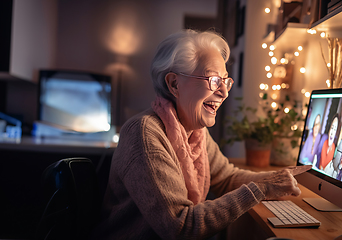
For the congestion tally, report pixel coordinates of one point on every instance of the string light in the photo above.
(267, 68)
(296, 54)
(267, 10)
(307, 94)
(271, 54)
(274, 60)
(282, 60)
(272, 47)
(322, 34)
(311, 31)
(302, 70)
(300, 48)
(286, 110)
(269, 75)
(328, 65)
(328, 83)
(262, 86)
(274, 105)
(264, 45)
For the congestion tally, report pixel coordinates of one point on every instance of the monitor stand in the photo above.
(322, 204)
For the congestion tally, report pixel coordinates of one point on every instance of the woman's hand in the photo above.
(282, 182)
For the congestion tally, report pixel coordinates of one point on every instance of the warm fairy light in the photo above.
(311, 31)
(302, 70)
(328, 65)
(296, 54)
(287, 86)
(271, 54)
(302, 91)
(322, 34)
(283, 85)
(267, 10)
(261, 95)
(286, 110)
(282, 60)
(328, 83)
(264, 45)
(274, 87)
(269, 75)
(307, 94)
(294, 127)
(274, 105)
(274, 96)
(266, 87)
(274, 60)
(267, 68)
(278, 87)
(300, 48)
(272, 47)
(262, 86)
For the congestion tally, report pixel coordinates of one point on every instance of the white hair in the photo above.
(180, 52)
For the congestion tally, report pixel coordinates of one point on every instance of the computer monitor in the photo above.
(75, 100)
(321, 146)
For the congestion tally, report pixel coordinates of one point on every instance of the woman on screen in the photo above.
(311, 143)
(328, 149)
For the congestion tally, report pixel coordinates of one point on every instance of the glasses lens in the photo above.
(215, 83)
(229, 83)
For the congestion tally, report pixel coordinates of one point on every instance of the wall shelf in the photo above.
(293, 35)
(331, 23)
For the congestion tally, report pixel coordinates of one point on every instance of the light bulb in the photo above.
(296, 54)
(273, 105)
(274, 60)
(307, 94)
(262, 86)
(322, 34)
(302, 70)
(300, 48)
(267, 68)
(282, 60)
(269, 75)
(270, 54)
(286, 110)
(264, 45)
(267, 10)
(328, 65)
(272, 47)
(302, 91)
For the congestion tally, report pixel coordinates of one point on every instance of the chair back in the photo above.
(72, 200)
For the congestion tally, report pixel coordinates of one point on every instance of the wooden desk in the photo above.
(256, 219)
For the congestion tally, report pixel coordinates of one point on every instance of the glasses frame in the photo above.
(227, 81)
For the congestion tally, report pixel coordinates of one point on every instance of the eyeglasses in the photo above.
(214, 81)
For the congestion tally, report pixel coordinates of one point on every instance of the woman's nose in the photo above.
(222, 91)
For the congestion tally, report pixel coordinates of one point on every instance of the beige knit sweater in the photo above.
(146, 196)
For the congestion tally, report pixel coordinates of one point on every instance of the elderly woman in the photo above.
(166, 160)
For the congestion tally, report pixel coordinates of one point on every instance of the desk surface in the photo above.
(59, 144)
(331, 222)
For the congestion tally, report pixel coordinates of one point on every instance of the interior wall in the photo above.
(119, 38)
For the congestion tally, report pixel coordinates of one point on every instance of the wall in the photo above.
(119, 38)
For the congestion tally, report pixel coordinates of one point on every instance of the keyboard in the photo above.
(288, 214)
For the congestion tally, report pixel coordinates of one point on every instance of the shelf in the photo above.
(331, 23)
(291, 37)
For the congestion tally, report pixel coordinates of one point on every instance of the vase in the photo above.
(257, 154)
(282, 152)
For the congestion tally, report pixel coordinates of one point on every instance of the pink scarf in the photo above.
(191, 153)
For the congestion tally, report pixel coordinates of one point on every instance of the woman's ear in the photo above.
(171, 81)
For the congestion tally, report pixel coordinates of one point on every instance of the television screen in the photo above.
(74, 100)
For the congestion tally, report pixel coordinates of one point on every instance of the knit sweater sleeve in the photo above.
(153, 177)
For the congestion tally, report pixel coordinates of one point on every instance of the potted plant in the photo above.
(255, 131)
(286, 124)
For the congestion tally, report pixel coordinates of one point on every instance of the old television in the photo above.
(75, 101)
(325, 152)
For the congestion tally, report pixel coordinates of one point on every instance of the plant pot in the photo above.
(282, 153)
(257, 154)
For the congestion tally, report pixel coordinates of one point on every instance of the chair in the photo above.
(73, 201)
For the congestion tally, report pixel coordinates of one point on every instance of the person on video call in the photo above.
(328, 148)
(311, 143)
(166, 160)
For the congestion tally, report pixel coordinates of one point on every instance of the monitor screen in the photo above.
(321, 145)
(74, 100)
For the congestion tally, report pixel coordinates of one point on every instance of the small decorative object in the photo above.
(335, 61)
(256, 131)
